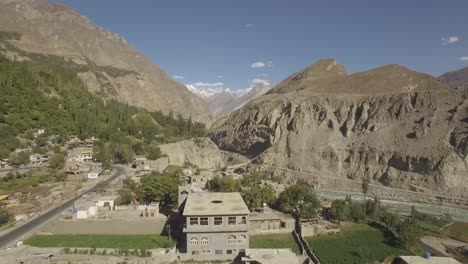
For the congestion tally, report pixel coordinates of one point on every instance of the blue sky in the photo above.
(233, 44)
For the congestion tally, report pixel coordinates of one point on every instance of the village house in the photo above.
(39, 132)
(215, 224)
(80, 155)
(4, 164)
(269, 221)
(89, 142)
(38, 159)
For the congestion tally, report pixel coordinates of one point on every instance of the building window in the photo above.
(193, 220)
(203, 220)
(232, 220)
(218, 252)
(242, 239)
(195, 252)
(231, 239)
(229, 252)
(243, 221)
(204, 241)
(218, 220)
(194, 241)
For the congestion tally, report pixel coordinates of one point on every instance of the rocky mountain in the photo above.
(456, 79)
(108, 65)
(401, 128)
(222, 103)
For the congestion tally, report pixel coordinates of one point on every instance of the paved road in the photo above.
(20, 231)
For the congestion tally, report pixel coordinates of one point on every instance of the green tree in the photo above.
(160, 188)
(357, 212)
(101, 186)
(340, 210)
(255, 196)
(4, 153)
(123, 154)
(299, 200)
(21, 158)
(57, 161)
(365, 190)
(5, 216)
(223, 184)
(153, 153)
(408, 233)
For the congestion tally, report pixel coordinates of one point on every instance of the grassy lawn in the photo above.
(274, 241)
(99, 241)
(457, 230)
(355, 244)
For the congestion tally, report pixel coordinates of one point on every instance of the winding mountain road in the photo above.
(18, 232)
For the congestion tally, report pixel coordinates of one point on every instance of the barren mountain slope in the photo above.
(50, 28)
(401, 128)
(456, 79)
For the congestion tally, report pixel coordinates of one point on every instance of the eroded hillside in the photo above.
(401, 128)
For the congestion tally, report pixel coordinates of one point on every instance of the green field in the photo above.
(355, 244)
(99, 241)
(274, 241)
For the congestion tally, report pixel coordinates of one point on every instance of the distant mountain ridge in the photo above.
(456, 79)
(50, 28)
(222, 102)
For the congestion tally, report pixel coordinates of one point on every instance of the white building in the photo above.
(106, 202)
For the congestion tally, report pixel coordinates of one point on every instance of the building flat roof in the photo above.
(269, 214)
(271, 256)
(215, 204)
(431, 260)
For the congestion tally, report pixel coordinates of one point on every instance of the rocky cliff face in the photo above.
(401, 128)
(50, 28)
(201, 152)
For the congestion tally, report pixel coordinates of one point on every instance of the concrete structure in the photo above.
(94, 174)
(216, 224)
(270, 256)
(106, 201)
(421, 260)
(269, 221)
(150, 210)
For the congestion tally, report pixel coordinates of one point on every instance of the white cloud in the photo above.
(178, 77)
(463, 58)
(257, 65)
(263, 75)
(263, 82)
(248, 25)
(450, 40)
(261, 64)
